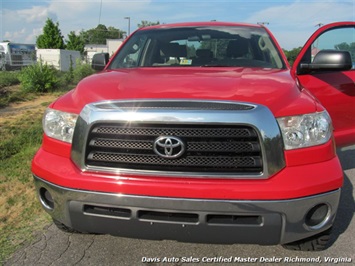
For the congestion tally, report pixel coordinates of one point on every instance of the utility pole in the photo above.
(100, 13)
(129, 25)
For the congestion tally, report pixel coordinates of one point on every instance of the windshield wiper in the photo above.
(215, 65)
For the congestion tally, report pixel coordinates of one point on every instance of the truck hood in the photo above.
(275, 89)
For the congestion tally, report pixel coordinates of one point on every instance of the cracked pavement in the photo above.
(54, 247)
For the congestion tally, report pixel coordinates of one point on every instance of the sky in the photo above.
(290, 21)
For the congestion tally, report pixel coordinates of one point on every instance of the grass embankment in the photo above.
(20, 137)
(20, 212)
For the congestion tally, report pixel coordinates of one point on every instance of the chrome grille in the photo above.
(175, 105)
(16, 59)
(230, 149)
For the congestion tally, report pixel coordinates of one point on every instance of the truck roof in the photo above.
(200, 24)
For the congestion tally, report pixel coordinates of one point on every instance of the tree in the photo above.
(219, 46)
(346, 47)
(75, 42)
(145, 23)
(51, 38)
(99, 34)
(292, 54)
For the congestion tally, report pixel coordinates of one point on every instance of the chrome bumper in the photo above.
(189, 220)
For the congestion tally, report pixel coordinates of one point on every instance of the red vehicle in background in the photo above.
(202, 132)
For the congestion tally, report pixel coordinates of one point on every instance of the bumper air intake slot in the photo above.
(107, 211)
(234, 219)
(168, 216)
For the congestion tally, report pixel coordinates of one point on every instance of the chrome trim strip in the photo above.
(259, 117)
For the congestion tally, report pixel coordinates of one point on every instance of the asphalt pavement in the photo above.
(54, 247)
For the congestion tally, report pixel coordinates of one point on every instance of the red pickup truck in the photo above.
(202, 132)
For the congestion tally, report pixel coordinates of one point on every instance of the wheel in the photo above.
(314, 243)
(65, 228)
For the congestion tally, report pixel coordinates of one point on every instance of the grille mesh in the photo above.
(181, 132)
(209, 149)
(204, 161)
(119, 143)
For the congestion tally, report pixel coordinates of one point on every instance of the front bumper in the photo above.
(265, 222)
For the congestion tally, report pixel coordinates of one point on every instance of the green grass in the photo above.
(19, 136)
(20, 212)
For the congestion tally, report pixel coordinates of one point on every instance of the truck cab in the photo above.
(16, 55)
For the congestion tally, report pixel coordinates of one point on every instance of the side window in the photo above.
(131, 56)
(342, 39)
(131, 60)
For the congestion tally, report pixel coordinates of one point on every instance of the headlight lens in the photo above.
(59, 125)
(305, 130)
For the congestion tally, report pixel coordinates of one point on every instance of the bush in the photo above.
(65, 80)
(39, 78)
(74, 75)
(8, 78)
(81, 71)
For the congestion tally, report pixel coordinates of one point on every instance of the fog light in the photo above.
(317, 216)
(46, 198)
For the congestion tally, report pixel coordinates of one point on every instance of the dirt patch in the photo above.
(28, 108)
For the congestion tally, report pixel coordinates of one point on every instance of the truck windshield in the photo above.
(199, 47)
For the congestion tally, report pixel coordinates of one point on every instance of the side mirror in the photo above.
(99, 61)
(328, 60)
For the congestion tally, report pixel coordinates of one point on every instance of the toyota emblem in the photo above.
(169, 147)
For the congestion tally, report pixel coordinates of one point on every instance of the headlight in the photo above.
(305, 130)
(59, 125)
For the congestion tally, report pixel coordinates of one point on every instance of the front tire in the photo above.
(64, 228)
(317, 242)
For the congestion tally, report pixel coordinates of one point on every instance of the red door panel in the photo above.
(334, 89)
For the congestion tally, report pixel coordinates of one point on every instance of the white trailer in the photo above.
(58, 58)
(113, 45)
(16, 55)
